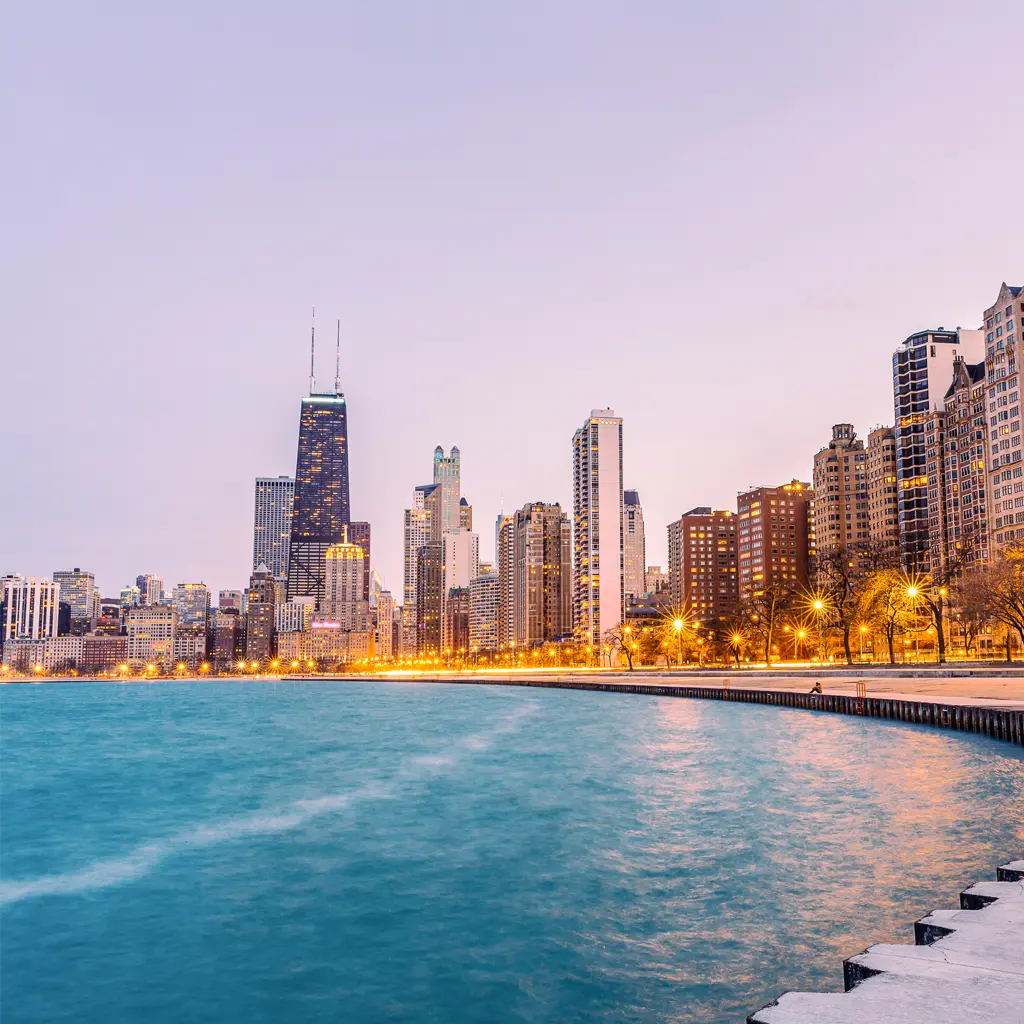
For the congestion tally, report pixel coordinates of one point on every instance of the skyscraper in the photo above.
(597, 514)
(416, 534)
(30, 608)
(359, 534)
(321, 510)
(922, 368)
(883, 514)
(272, 524)
(447, 475)
(483, 612)
(634, 547)
(192, 603)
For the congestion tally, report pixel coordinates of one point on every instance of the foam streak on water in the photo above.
(233, 853)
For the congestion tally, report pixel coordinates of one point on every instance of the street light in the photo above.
(678, 627)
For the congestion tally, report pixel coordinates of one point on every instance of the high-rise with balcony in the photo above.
(922, 368)
(772, 537)
(634, 548)
(1002, 339)
(272, 524)
(597, 522)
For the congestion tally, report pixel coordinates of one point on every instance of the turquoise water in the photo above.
(305, 852)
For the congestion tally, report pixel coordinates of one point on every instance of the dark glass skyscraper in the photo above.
(321, 512)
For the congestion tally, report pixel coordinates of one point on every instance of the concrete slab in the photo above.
(971, 970)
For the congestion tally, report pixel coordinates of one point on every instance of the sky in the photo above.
(718, 219)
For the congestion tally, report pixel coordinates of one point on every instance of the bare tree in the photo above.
(888, 605)
(625, 639)
(973, 599)
(764, 612)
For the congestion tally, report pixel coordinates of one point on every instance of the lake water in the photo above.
(349, 852)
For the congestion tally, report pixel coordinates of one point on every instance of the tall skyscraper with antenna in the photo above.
(322, 512)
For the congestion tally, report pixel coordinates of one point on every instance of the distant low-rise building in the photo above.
(151, 631)
(104, 653)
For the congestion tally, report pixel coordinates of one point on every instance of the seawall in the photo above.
(999, 723)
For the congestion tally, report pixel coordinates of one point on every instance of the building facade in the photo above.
(448, 479)
(704, 564)
(272, 524)
(542, 574)
(772, 538)
(634, 547)
(151, 631)
(260, 615)
(30, 608)
(1001, 327)
(883, 509)
(483, 613)
(841, 513)
(385, 624)
(150, 589)
(192, 602)
(597, 521)
(344, 600)
(456, 613)
(78, 589)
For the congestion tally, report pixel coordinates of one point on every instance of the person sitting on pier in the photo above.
(816, 688)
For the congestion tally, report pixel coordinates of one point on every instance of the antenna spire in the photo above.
(337, 362)
(312, 352)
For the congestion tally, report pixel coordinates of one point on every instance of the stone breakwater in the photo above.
(967, 966)
(997, 722)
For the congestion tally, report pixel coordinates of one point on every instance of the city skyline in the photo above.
(752, 198)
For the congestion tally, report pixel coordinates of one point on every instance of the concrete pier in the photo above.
(1001, 720)
(967, 965)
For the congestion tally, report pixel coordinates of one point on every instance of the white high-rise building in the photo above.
(634, 547)
(31, 608)
(483, 613)
(597, 521)
(151, 588)
(272, 524)
(151, 633)
(460, 554)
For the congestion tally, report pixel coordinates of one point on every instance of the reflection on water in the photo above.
(307, 852)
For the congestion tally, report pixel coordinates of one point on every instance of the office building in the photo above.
(321, 509)
(151, 630)
(272, 524)
(189, 649)
(922, 368)
(131, 597)
(78, 589)
(483, 612)
(465, 515)
(227, 637)
(506, 568)
(151, 588)
(343, 601)
(111, 619)
(104, 653)
(416, 533)
(429, 598)
(259, 615)
(883, 508)
(634, 548)
(771, 538)
(1001, 327)
(30, 609)
(656, 581)
(703, 565)
(542, 574)
(231, 599)
(597, 520)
